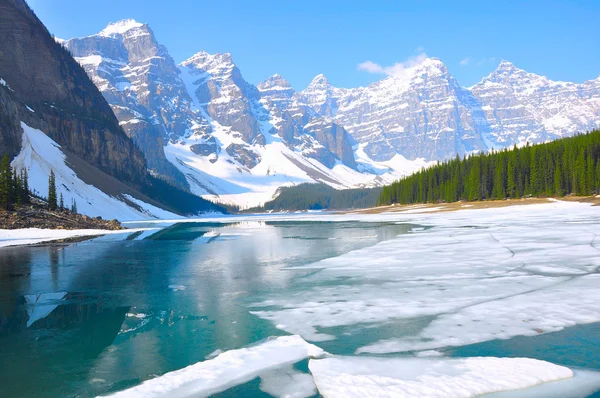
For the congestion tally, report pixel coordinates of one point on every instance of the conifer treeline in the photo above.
(558, 168)
(14, 186)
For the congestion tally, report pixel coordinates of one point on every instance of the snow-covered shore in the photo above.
(30, 236)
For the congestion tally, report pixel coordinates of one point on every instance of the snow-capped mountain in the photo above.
(524, 107)
(425, 113)
(53, 118)
(200, 123)
(141, 82)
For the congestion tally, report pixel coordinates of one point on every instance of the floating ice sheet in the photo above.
(469, 377)
(226, 370)
(286, 382)
(473, 276)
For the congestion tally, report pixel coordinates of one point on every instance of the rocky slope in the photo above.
(201, 124)
(231, 140)
(427, 114)
(43, 90)
(524, 107)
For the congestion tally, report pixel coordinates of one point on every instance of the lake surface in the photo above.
(104, 315)
(115, 313)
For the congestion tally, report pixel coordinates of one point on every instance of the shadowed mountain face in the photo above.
(46, 88)
(43, 87)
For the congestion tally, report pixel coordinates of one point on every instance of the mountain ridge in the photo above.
(227, 138)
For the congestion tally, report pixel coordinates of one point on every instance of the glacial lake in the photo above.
(103, 315)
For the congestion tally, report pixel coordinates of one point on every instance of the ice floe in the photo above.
(448, 378)
(470, 276)
(227, 370)
(286, 382)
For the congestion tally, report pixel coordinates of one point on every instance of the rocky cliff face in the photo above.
(427, 114)
(47, 89)
(71, 127)
(524, 107)
(423, 115)
(140, 81)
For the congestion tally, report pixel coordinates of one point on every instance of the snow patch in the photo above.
(120, 27)
(40, 154)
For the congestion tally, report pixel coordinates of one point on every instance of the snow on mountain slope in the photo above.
(202, 125)
(425, 113)
(40, 154)
(226, 139)
(524, 107)
(421, 114)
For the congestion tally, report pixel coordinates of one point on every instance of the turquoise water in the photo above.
(101, 316)
(127, 311)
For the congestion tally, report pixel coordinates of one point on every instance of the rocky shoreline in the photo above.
(38, 216)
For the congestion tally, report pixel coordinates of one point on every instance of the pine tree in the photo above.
(558, 181)
(16, 187)
(579, 175)
(598, 176)
(511, 187)
(52, 191)
(25, 193)
(73, 206)
(590, 175)
(5, 183)
(61, 202)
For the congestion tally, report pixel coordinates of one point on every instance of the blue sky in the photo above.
(300, 39)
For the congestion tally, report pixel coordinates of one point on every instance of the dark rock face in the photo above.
(243, 155)
(64, 102)
(140, 80)
(301, 128)
(226, 95)
(10, 136)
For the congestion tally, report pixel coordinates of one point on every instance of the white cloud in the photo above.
(371, 67)
(398, 70)
(465, 61)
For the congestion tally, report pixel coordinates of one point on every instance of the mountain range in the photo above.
(154, 135)
(204, 127)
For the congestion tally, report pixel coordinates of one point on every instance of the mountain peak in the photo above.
(319, 79)
(320, 82)
(120, 27)
(506, 64)
(274, 82)
(506, 67)
(204, 57)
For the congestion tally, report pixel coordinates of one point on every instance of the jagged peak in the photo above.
(120, 27)
(432, 65)
(504, 64)
(204, 57)
(274, 81)
(318, 83)
(319, 79)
